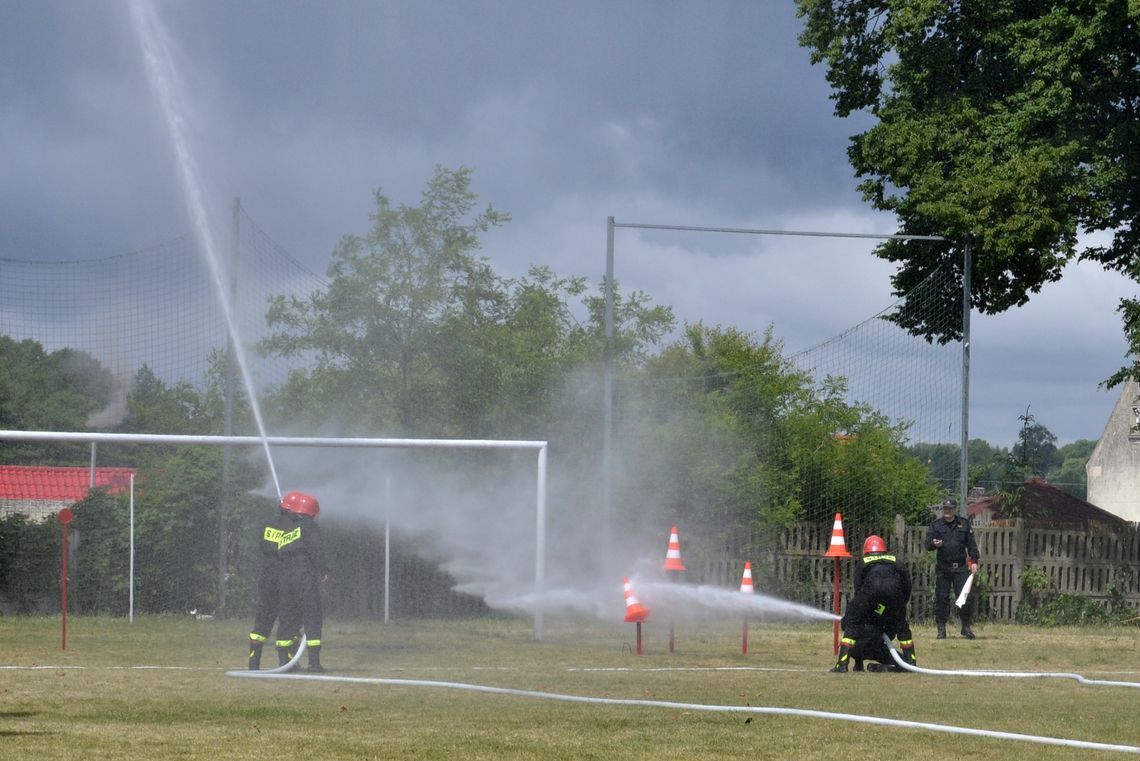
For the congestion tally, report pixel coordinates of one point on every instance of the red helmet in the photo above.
(301, 504)
(874, 543)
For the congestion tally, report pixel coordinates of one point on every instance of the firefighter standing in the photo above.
(878, 607)
(268, 583)
(953, 538)
(303, 568)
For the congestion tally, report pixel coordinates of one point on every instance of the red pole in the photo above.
(64, 519)
(837, 549)
(639, 638)
(837, 572)
(673, 565)
(744, 639)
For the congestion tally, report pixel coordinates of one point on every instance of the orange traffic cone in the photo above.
(673, 555)
(635, 612)
(838, 548)
(746, 580)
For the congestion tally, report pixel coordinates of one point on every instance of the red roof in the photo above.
(1041, 502)
(56, 484)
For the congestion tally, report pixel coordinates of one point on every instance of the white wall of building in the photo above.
(1113, 469)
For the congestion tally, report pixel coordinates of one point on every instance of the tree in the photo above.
(49, 391)
(1036, 450)
(1010, 122)
(153, 406)
(375, 333)
(418, 335)
(731, 434)
(1070, 474)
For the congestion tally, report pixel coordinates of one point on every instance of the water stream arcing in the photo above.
(162, 77)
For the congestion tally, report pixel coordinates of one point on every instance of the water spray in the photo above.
(705, 601)
(162, 78)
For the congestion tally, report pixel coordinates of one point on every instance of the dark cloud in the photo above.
(569, 112)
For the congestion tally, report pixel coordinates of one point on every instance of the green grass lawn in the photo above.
(157, 689)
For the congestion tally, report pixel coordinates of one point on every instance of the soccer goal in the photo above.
(538, 448)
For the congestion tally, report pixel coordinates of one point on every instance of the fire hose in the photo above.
(766, 710)
(1014, 674)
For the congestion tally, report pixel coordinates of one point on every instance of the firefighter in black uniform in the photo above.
(268, 583)
(303, 568)
(878, 607)
(953, 537)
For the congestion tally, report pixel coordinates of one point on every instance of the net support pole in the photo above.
(387, 543)
(131, 572)
(967, 306)
(540, 542)
(608, 387)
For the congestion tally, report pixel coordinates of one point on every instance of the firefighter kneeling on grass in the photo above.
(878, 607)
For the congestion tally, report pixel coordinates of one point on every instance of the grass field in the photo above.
(157, 689)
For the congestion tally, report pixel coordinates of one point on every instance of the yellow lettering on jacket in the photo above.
(289, 538)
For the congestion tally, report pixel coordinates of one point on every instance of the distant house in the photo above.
(41, 491)
(1041, 504)
(1113, 469)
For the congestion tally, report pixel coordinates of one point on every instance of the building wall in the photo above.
(1113, 469)
(35, 509)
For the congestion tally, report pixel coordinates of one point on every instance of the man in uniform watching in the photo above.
(952, 537)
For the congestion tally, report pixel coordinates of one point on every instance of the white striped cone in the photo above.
(673, 554)
(838, 548)
(746, 580)
(635, 612)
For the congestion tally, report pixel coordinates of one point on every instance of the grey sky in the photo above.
(695, 113)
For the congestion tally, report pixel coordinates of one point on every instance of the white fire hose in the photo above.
(281, 673)
(1015, 674)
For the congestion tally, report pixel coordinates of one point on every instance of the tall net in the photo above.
(915, 383)
(156, 307)
(734, 449)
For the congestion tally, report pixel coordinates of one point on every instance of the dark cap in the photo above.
(950, 502)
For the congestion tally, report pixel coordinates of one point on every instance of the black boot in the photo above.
(906, 649)
(286, 649)
(941, 631)
(315, 666)
(255, 653)
(840, 666)
(967, 632)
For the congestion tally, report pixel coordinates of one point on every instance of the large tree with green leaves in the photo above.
(728, 432)
(1014, 123)
(373, 337)
(44, 390)
(418, 335)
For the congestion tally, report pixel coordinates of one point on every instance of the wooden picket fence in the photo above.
(1092, 563)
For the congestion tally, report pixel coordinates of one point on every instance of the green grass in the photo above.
(97, 700)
